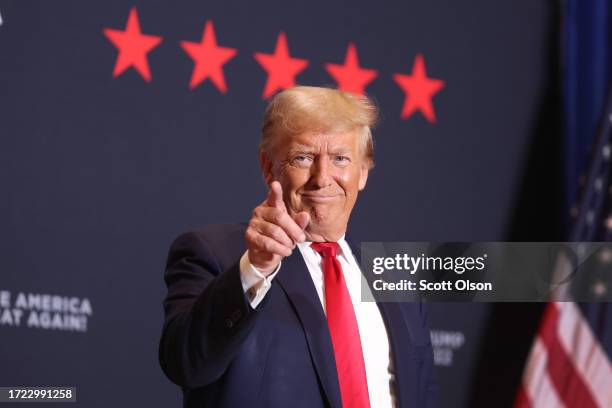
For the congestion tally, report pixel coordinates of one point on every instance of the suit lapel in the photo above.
(399, 341)
(297, 283)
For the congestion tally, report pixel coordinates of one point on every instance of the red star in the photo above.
(133, 46)
(419, 90)
(208, 58)
(281, 68)
(350, 76)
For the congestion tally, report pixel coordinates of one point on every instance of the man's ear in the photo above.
(266, 167)
(363, 175)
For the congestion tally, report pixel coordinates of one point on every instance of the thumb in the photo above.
(302, 219)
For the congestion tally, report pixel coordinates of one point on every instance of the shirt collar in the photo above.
(341, 242)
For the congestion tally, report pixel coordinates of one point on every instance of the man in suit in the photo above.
(268, 314)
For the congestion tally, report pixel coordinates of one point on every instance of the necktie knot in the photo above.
(326, 249)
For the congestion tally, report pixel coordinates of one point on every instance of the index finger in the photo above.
(275, 196)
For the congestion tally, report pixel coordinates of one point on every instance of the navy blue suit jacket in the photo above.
(223, 353)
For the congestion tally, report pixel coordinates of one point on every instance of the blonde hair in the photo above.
(304, 109)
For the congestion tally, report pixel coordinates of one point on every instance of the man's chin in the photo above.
(324, 229)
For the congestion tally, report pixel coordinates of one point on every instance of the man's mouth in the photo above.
(319, 198)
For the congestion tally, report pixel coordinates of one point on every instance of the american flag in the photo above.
(570, 364)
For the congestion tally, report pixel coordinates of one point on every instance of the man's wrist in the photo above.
(253, 277)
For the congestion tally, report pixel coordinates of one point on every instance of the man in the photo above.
(269, 314)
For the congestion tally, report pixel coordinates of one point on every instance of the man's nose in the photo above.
(320, 175)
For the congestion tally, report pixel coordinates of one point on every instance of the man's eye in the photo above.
(301, 160)
(342, 159)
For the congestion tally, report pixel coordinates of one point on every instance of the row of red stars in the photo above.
(209, 58)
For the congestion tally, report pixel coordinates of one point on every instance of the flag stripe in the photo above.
(597, 316)
(587, 356)
(538, 390)
(567, 381)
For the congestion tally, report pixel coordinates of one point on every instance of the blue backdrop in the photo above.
(104, 163)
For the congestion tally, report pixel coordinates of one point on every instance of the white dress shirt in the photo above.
(380, 373)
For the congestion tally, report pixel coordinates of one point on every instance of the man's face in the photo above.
(321, 174)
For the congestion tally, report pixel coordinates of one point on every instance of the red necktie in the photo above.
(343, 329)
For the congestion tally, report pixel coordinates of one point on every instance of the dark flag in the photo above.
(570, 364)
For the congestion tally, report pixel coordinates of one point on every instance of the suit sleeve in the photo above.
(207, 316)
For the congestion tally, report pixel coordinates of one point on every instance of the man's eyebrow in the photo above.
(341, 150)
(309, 150)
(301, 149)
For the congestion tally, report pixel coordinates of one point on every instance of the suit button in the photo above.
(236, 315)
(229, 323)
